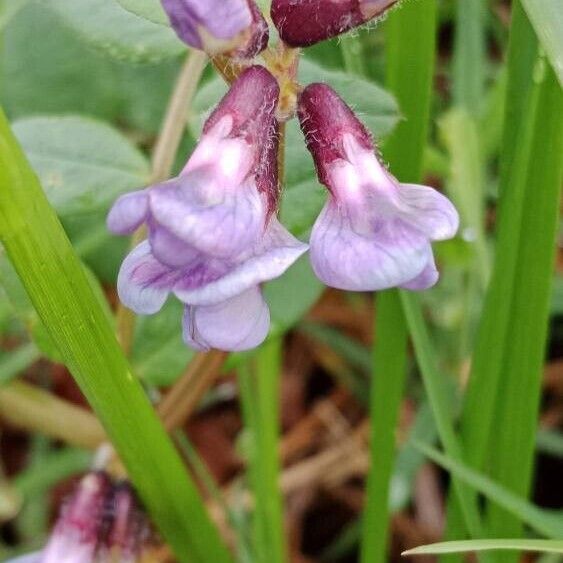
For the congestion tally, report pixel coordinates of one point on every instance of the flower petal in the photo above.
(169, 249)
(428, 210)
(128, 213)
(143, 282)
(240, 323)
(426, 279)
(219, 224)
(390, 253)
(29, 558)
(278, 250)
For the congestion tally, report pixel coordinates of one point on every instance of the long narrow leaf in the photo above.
(56, 283)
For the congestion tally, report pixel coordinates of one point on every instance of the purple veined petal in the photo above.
(426, 279)
(278, 250)
(29, 558)
(143, 282)
(214, 25)
(128, 213)
(352, 255)
(221, 225)
(237, 324)
(428, 210)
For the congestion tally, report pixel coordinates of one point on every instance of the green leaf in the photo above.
(59, 289)
(547, 546)
(83, 164)
(290, 296)
(149, 9)
(547, 18)
(8, 9)
(107, 26)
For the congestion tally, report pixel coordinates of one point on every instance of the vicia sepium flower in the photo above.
(213, 234)
(374, 232)
(101, 522)
(305, 22)
(236, 27)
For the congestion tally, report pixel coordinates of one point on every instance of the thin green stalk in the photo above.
(411, 41)
(387, 386)
(57, 285)
(259, 387)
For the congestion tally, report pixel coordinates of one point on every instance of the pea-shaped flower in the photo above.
(101, 521)
(219, 26)
(213, 234)
(305, 22)
(374, 232)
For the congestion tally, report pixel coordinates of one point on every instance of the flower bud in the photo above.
(219, 26)
(301, 23)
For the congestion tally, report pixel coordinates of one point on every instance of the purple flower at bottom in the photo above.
(374, 232)
(213, 235)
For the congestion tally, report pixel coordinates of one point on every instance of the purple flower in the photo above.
(219, 26)
(374, 232)
(305, 22)
(213, 235)
(101, 521)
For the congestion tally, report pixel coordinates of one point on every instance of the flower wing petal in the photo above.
(239, 323)
(278, 250)
(428, 210)
(128, 213)
(386, 255)
(143, 282)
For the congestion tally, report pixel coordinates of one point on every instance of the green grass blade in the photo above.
(469, 56)
(411, 40)
(544, 522)
(438, 397)
(547, 18)
(17, 361)
(57, 285)
(260, 402)
(482, 391)
(545, 546)
(512, 453)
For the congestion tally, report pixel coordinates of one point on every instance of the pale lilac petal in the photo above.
(219, 224)
(169, 249)
(240, 323)
(277, 251)
(128, 213)
(426, 279)
(143, 282)
(429, 211)
(29, 558)
(377, 256)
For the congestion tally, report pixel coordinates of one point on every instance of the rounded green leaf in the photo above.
(149, 9)
(83, 164)
(107, 26)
